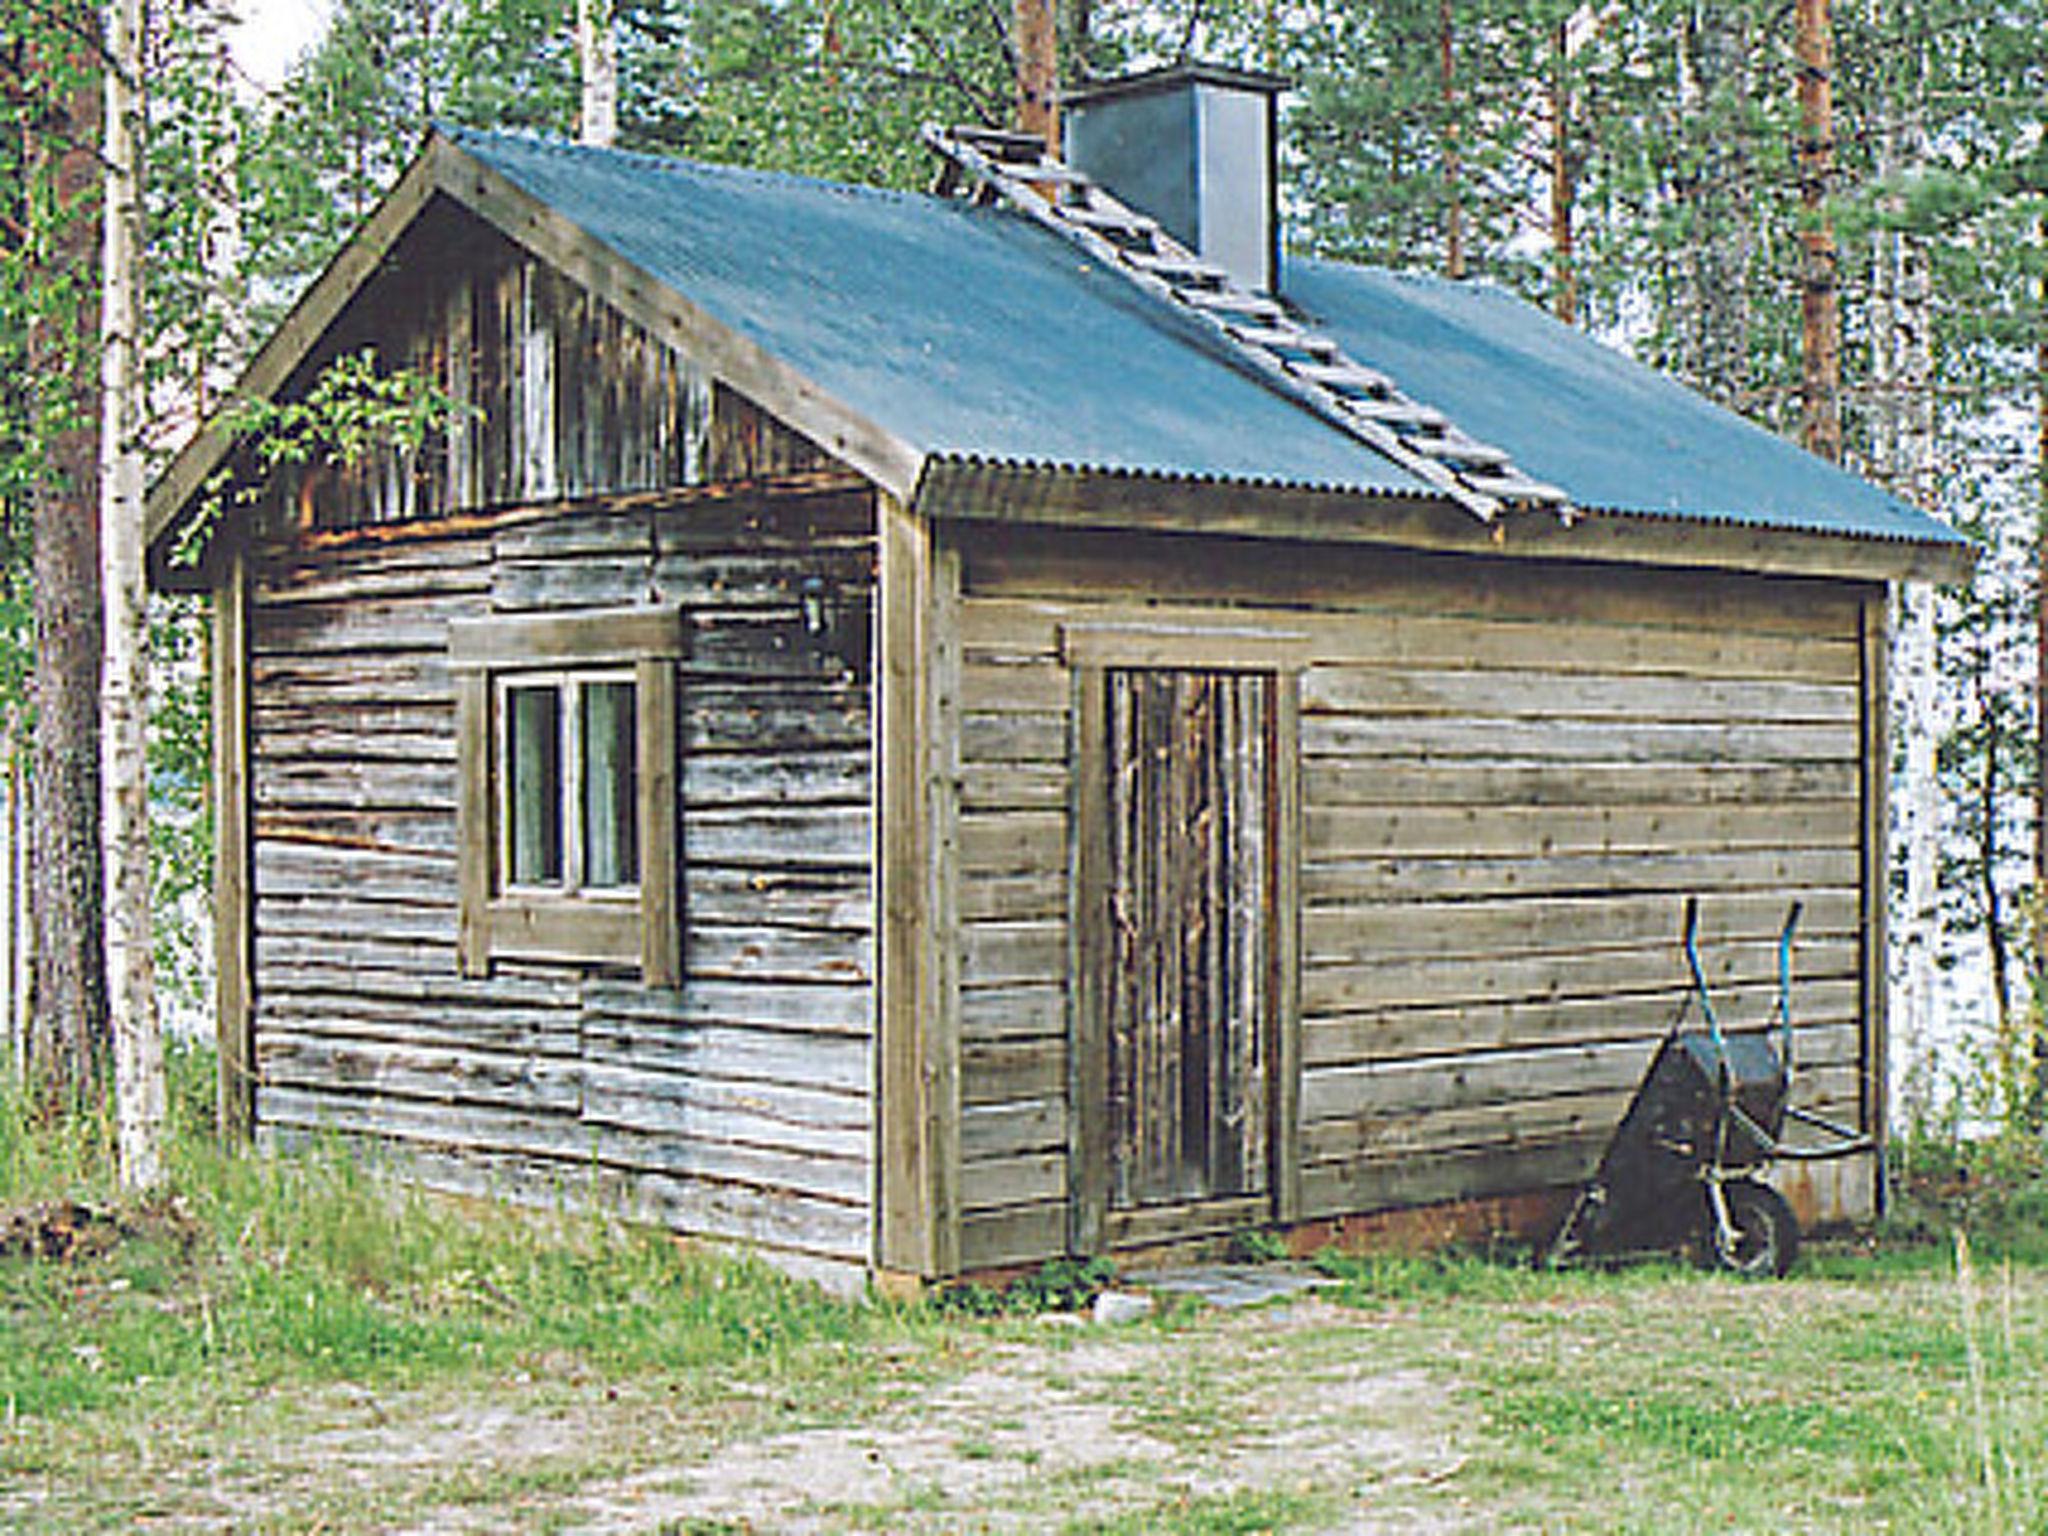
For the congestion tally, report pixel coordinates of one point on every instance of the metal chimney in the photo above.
(1194, 146)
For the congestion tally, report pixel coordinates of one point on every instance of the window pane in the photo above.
(533, 726)
(611, 829)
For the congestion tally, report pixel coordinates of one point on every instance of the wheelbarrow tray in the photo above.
(1649, 1180)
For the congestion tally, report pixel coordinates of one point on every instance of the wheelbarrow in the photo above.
(1687, 1164)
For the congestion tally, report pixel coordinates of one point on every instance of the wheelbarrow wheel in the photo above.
(1764, 1240)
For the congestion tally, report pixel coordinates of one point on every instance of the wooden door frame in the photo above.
(1091, 651)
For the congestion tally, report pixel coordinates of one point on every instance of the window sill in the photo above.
(586, 930)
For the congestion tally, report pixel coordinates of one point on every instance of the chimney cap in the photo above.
(1168, 76)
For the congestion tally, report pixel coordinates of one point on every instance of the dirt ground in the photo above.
(1291, 1416)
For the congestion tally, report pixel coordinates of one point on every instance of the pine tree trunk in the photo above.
(67, 1033)
(1035, 39)
(597, 50)
(1564, 273)
(1820, 312)
(131, 1000)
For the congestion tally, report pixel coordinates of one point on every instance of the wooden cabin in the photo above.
(882, 739)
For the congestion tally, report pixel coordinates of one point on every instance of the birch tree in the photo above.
(138, 1046)
(598, 54)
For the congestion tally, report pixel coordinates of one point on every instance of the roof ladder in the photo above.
(1299, 362)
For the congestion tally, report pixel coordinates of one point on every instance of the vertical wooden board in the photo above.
(661, 949)
(942, 1043)
(905, 1236)
(1285, 852)
(233, 885)
(1876, 1064)
(1090, 940)
(473, 822)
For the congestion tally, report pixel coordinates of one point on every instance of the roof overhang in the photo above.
(969, 490)
(443, 168)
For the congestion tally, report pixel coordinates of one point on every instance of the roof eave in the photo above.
(977, 490)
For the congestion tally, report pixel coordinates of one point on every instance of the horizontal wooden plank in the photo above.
(1343, 1188)
(1369, 1138)
(1629, 741)
(1017, 1012)
(538, 588)
(1475, 1025)
(779, 954)
(289, 868)
(770, 1169)
(703, 1108)
(1015, 842)
(1039, 737)
(988, 787)
(999, 629)
(1014, 897)
(1419, 780)
(1006, 1071)
(1223, 642)
(384, 1069)
(356, 625)
(318, 917)
(734, 1053)
(1149, 574)
(352, 783)
(488, 1024)
(827, 900)
(797, 837)
(1021, 1179)
(777, 779)
(1543, 831)
(618, 634)
(782, 717)
(1149, 1225)
(1407, 877)
(1003, 1130)
(1000, 954)
(1360, 932)
(1460, 1082)
(1024, 1234)
(802, 1008)
(1599, 973)
(1520, 693)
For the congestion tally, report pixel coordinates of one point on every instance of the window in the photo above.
(567, 819)
(568, 799)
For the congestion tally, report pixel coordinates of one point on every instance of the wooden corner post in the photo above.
(1876, 957)
(917, 1074)
(234, 993)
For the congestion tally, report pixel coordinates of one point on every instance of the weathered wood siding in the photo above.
(565, 397)
(1512, 773)
(737, 1105)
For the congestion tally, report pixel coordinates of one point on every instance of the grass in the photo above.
(295, 1343)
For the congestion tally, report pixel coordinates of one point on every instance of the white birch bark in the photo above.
(1903, 364)
(597, 50)
(138, 1044)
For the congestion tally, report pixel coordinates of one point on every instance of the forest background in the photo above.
(1652, 172)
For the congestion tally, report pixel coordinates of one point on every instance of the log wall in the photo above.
(735, 1106)
(1512, 774)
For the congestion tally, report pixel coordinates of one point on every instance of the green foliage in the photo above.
(353, 409)
(314, 1267)
(1058, 1285)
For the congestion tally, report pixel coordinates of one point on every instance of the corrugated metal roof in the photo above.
(1616, 435)
(968, 333)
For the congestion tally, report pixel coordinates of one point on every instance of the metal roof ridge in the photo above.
(678, 165)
